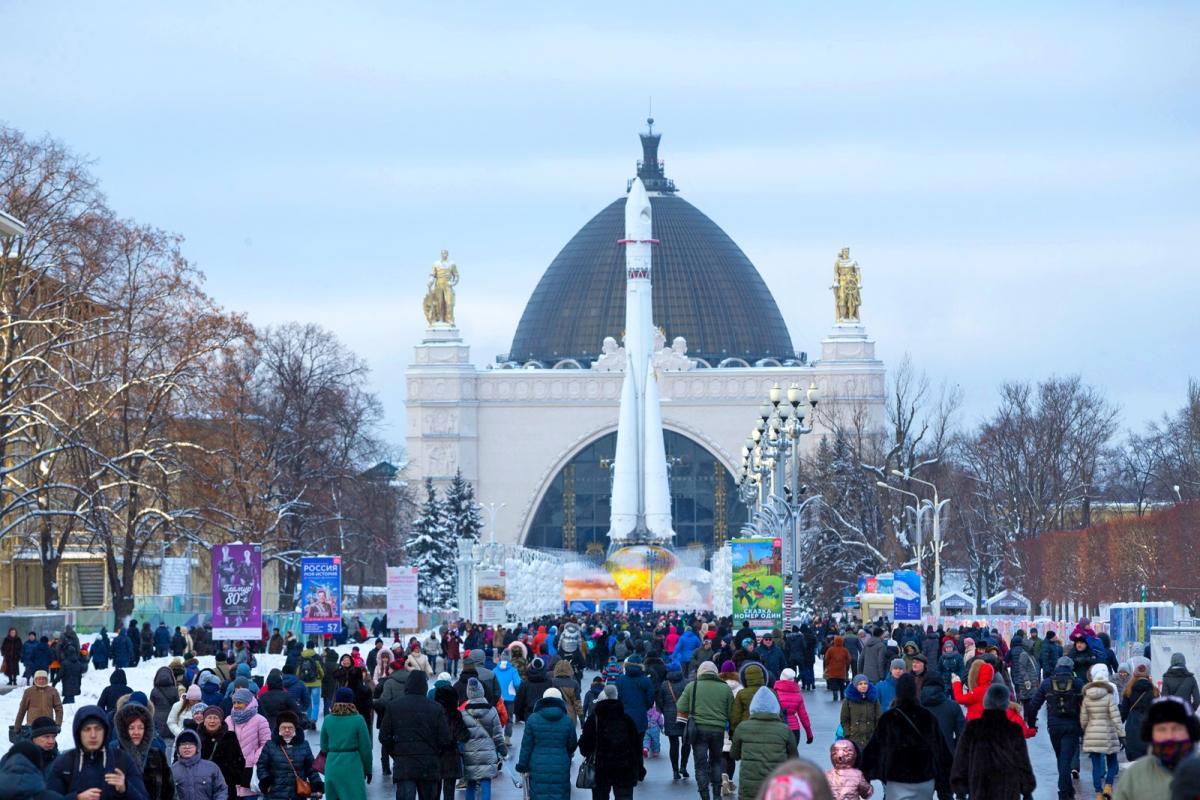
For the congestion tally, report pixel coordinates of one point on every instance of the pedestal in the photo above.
(847, 341)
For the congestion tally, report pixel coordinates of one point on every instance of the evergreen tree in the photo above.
(432, 550)
(462, 512)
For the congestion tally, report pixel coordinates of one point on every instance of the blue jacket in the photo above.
(42, 656)
(21, 779)
(122, 650)
(100, 652)
(76, 771)
(296, 688)
(509, 680)
(887, 692)
(27, 649)
(162, 638)
(1051, 652)
(547, 746)
(636, 693)
(684, 647)
(773, 659)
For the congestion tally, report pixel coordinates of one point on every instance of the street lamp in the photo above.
(935, 507)
(917, 508)
(493, 509)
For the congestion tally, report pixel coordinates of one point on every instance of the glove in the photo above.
(1121, 739)
(809, 739)
(368, 779)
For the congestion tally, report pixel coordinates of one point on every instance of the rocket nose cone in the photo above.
(638, 224)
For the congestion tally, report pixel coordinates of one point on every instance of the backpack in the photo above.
(308, 670)
(621, 651)
(1064, 700)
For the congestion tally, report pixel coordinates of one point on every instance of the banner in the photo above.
(174, 576)
(906, 596)
(757, 583)
(402, 598)
(237, 592)
(493, 607)
(321, 594)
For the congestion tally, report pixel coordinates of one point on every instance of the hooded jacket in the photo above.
(22, 779)
(509, 679)
(636, 693)
(547, 746)
(979, 679)
(415, 731)
(150, 754)
(77, 770)
(116, 689)
(752, 676)
(1136, 700)
(907, 746)
(761, 743)
(275, 700)
(530, 691)
(837, 660)
(1100, 719)
(194, 777)
(791, 701)
(948, 714)
(164, 695)
(859, 715)
(485, 745)
(1177, 681)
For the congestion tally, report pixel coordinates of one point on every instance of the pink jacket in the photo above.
(671, 640)
(252, 736)
(848, 784)
(792, 703)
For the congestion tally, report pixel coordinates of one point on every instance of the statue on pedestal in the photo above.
(439, 299)
(846, 287)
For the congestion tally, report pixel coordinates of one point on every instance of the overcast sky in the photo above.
(1018, 182)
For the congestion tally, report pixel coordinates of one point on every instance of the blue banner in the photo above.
(321, 594)
(906, 596)
(580, 606)
(639, 606)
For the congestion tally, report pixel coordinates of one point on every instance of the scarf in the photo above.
(1171, 752)
(344, 709)
(245, 715)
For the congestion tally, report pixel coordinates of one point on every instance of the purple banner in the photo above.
(237, 592)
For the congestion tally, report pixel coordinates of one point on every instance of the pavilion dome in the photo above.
(705, 289)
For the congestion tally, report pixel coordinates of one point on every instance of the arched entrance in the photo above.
(575, 509)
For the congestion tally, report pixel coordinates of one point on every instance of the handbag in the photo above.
(586, 777)
(319, 763)
(303, 787)
(689, 725)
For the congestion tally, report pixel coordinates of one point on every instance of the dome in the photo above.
(705, 289)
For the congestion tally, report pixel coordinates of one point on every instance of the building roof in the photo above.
(705, 289)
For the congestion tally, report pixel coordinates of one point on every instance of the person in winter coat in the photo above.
(610, 738)
(761, 743)
(43, 732)
(907, 751)
(667, 701)
(21, 778)
(101, 650)
(164, 696)
(10, 650)
(1103, 736)
(181, 712)
(1172, 730)
(123, 649)
(275, 700)
(415, 731)
(134, 724)
(509, 678)
(948, 713)
(837, 667)
(752, 676)
(116, 689)
(564, 681)
(194, 777)
(70, 673)
(220, 745)
(1136, 699)
(162, 640)
(210, 688)
(1082, 656)
(792, 703)
(285, 759)
(1051, 652)
(547, 747)
(708, 703)
(485, 746)
(846, 782)
(860, 712)
(1062, 693)
(771, 656)
(95, 764)
(39, 700)
(1177, 681)
(992, 760)
(533, 686)
(636, 693)
(346, 742)
(450, 762)
(979, 678)
(950, 662)
(873, 661)
(252, 731)
(887, 686)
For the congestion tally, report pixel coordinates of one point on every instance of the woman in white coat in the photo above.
(1103, 736)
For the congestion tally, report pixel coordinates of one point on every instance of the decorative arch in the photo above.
(570, 509)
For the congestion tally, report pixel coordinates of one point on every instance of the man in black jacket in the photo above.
(415, 732)
(276, 699)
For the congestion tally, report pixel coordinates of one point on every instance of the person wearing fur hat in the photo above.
(860, 711)
(346, 741)
(761, 742)
(1136, 698)
(95, 764)
(220, 745)
(992, 760)
(194, 777)
(1103, 736)
(39, 700)
(907, 751)
(134, 723)
(1172, 731)
(285, 759)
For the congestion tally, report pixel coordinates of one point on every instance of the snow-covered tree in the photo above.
(462, 512)
(432, 550)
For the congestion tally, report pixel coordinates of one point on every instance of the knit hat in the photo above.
(138, 698)
(860, 678)
(897, 663)
(1098, 672)
(788, 674)
(1178, 660)
(193, 693)
(996, 698)
(610, 691)
(1065, 661)
(537, 663)
(968, 642)
(474, 689)
(243, 696)
(197, 710)
(553, 694)
(444, 677)
(932, 679)
(344, 695)
(209, 677)
(214, 711)
(1140, 667)
(764, 702)
(947, 646)
(187, 736)
(707, 668)
(43, 726)
(728, 666)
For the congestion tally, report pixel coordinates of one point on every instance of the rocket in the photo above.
(641, 495)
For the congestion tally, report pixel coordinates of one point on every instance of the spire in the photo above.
(650, 169)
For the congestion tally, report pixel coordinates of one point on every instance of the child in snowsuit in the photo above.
(846, 782)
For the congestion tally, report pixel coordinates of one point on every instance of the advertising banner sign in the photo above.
(906, 596)
(757, 583)
(402, 598)
(321, 594)
(639, 606)
(492, 593)
(174, 576)
(237, 592)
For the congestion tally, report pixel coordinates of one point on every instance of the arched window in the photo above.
(574, 513)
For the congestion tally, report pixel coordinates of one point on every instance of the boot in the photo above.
(728, 787)
(1108, 791)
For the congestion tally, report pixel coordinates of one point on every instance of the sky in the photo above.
(1019, 182)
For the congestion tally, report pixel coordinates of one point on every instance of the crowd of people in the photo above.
(925, 712)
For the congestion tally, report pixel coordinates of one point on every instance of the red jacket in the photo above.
(973, 699)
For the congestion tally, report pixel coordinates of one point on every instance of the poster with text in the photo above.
(237, 592)
(906, 596)
(321, 594)
(402, 598)
(757, 583)
(492, 608)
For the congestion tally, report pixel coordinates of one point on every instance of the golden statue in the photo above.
(846, 287)
(439, 299)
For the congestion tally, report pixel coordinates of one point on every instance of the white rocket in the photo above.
(641, 496)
